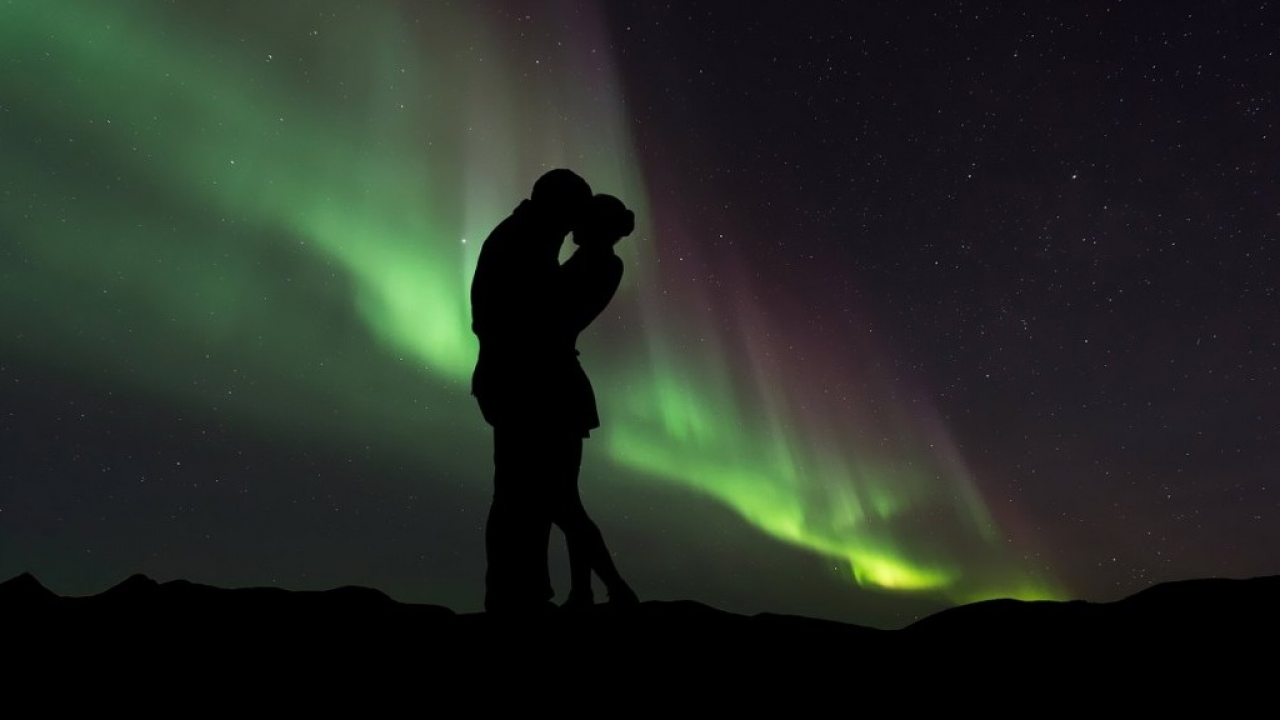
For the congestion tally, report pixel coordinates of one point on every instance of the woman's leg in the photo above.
(562, 489)
(587, 549)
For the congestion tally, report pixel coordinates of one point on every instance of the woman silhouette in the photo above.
(587, 282)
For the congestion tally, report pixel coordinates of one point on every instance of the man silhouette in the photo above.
(514, 313)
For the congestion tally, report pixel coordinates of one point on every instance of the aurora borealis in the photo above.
(917, 305)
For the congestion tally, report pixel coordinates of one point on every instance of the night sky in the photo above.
(928, 302)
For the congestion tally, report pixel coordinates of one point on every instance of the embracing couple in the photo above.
(527, 311)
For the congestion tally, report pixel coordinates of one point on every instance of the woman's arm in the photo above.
(588, 282)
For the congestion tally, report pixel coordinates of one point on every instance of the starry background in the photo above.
(927, 302)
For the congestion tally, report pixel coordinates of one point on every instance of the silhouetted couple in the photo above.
(527, 310)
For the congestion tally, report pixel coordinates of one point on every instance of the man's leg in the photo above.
(519, 524)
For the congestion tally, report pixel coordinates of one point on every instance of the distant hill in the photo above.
(185, 627)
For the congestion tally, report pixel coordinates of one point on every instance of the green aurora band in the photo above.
(278, 220)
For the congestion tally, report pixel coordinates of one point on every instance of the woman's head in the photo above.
(606, 222)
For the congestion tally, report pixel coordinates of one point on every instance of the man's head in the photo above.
(562, 197)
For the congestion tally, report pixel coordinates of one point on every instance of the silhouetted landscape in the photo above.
(362, 630)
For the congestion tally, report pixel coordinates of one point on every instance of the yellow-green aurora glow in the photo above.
(233, 213)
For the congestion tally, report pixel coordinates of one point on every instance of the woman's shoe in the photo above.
(623, 597)
(578, 602)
